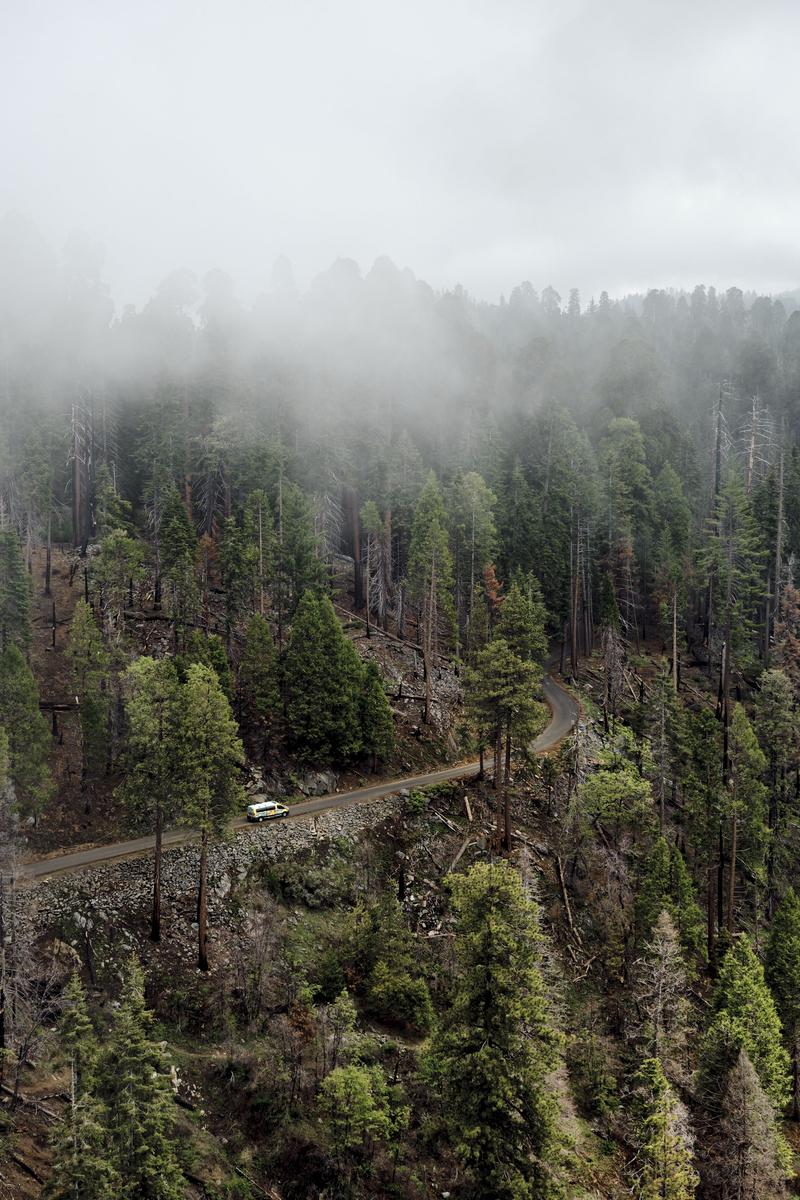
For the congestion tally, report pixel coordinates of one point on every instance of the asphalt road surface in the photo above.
(564, 710)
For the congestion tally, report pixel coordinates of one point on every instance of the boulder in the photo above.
(318, 783)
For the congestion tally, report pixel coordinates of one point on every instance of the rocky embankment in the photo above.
(114, 898)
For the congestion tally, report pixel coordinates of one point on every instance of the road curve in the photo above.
(564, 713)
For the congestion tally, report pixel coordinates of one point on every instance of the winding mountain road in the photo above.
(564, 713)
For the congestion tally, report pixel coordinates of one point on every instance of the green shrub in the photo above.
(393, 994)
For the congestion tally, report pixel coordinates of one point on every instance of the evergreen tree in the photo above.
(110, 510)
(744, 1018)
(491, 1056)
(237, 572)
(259, 678)
(154, 786)
(82, 1168)
(375, 583)
(608, 615)
(259, 531)
(138, 1096)
(667, 742)
(667, 886)
(27, 732)
(178, 554)
(783, 975)
(522, 620)
(116, 571)
(777, 729)
(297, 566)
(377, 723)
(751, 1158)
(664, 1169)
(208, 649)
(501, 696)
(89, 667)
(430, 577)
(732, 559)
(518, 520)
(473, 537)
(78, 1039)
(323, 685)
(745, 805)
(15, 594)
(213, 786)
(661, 996)
(353, 1103)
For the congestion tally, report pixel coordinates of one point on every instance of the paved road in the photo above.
(564, 711)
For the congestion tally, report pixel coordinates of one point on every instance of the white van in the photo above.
(266, 810)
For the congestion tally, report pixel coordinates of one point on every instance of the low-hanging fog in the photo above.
(618, 147)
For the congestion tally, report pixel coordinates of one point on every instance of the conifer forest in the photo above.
(399, 677)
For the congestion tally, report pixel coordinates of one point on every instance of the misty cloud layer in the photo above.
(619, 146)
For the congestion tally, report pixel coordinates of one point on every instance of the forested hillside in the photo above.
(258, 553)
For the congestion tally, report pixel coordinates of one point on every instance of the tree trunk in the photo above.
(498, 785)
(710, 925)
(732, 874)
(155, 922)
(368, 583)
(507, 797)
(720, 879)
(202, 905)
(675, 638)
(260, 560)
(48, 562)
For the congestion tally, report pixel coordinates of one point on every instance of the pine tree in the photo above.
(154, 786)
(259, 531)
(27, 732)
(5, 766)
(259, 678)
(15, 594)
(353, 1103)
(744, 1018)
(237, 573)
(663, 1165)
(777, 729)
(473, 537)
(732, 559)
(491, 1056)
(783, 975)
(323, 685)
(78, 1039)
(82, 1168)
(178, 554)
(138, 1096)
(661, 996)
(501, 696)
(116, 571)
(522, 620)
(751, 1158)
(667, 886)
(375, 583)
(430, 577)
(667, 742)
(297, 566)
(377, 723)
(213, 786)
(208, 649)
(745, 805)
(89, 667)
(518, 520)
(110, 510)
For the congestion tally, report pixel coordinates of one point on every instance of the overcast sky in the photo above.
(620, 145)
